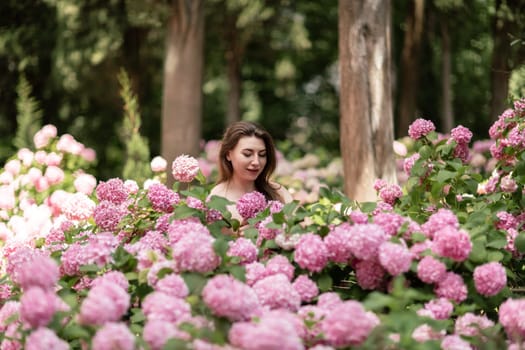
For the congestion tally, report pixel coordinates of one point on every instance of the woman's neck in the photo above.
(236, 188)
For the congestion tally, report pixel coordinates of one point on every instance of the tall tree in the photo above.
(447, 109)
(410, 65)
(366, 124)
(182, 91)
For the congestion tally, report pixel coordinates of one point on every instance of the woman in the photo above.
(246, 162)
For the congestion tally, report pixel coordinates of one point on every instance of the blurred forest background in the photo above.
(272, 61)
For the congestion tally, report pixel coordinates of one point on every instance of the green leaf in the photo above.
(89, 268)
(444, 175)
(194, 281)
(377, 301)
(478, 253)
(220, 246)
(368, 207)
(324, 282)
(74, 331)
(519, 242)
(495, 255)
(138, 316)
(183, 212)
(498, 243)
(425, 152)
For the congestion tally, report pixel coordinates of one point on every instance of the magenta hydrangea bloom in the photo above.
(195, 253)
(452, 243)
(306, 288)
(511, 316)
(162, 198)
(440, 308)
(266, 232)
(45, 338)
(108, 215)
(443, 217)
(461, 134)
(369, 274)
(365, 239)
(311, 253)
(395, 258)
(185, 168)
(161, 306)
(337, 244)
(409, 162)
(106, 302)
(419, 128)
(37, 306)
(490, 278)
(452, 287)
(112, 190)
(250, 204)
(349, 315)
(390, 193)
(230, 298)
(113, 336)
(276, 292)
(244, 249)
(430, 270)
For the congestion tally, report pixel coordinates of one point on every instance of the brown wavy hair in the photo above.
(230, 139)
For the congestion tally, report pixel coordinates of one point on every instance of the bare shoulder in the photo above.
(283, 192)
(219, 190)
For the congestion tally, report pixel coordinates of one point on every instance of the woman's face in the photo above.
(248, 158)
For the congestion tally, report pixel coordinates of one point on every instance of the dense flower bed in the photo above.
(114, 264)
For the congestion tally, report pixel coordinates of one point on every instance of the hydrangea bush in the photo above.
(435, 264)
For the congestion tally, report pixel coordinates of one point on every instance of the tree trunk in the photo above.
(447, 110)
(183, 73)
(501, 56)
(366, 124)
(410, 66)
(233, 61)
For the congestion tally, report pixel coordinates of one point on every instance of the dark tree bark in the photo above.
(447, 110)
(234, 54)
(183, 74)
(366, 124)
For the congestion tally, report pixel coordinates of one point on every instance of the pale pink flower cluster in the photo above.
(455, 342)
(45, 338)
(506, 221)
(251, 204)
(349, 315)
(85, 183)
(512, 318)
(39, 270)
(394, 258)
(162, 198)
(279, 264)
(194, 252)
(508, 184)
(157, 332)
(462, 136)
(311, 253)
(230, 298)
(165, 307)
(276, 292)
(37, 306)
(105, 302)
(112, 190)
(452, 243)
(172, 284)
(306, 288)
(78, 207)
(369, 274)
(471, 325)
(43, 136)
(365, 239)
(113, 336)
(244, 249)
(490, 278)
(430, 270)
(337, 244)
(451, 287)
(115, 277)
(390, 193)
(389, 222)
(419, 128)
(108, 215)
(409, 162)
(158, 164)
(441, 308)
(185, 168)
(436, 221)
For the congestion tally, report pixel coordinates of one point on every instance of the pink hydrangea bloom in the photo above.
(116, 277)
(244, 249)
(389, 222)
(37, 306)
(158, 164)
(254, 272)
(490, 278)
(358, 217)
(452, 287)
(162, 306)
(461, 134)
(395, 258)
(276, 291)
(311, 253)
(54, 175)
(390, 193)
(85, 183)
(108, 215)
(173, 285)
(506, 221)
(337, 244)
(440, 308)
(452, 243)
(195, 253)
(443, 217)
(181, 228)
(312, 316)
(152, 240)
(369, 274)
(511, 316)
(425, 333)
(306, 288)
(508, 184)
(280, 264)
(409, 162)
(39, 271)
(470, 325)
(250, 204)
(162, 198)
(194, 203)
(455, 342)
(419, 128)
(365, 239)
(185, 168)
(112, 190)
(230, 298)
(273, 331)
(266, 232)
(163, 265)
(349, 315)
(45, 338)
(78, 206)
(430, 270)
(106, 302)
(113, 336)
(157, 332)
(329, 300)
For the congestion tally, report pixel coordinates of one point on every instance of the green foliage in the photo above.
(29, 115)
(137, 152)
